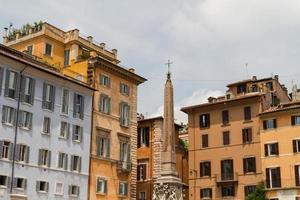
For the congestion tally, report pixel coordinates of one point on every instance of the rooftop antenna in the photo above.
(246, 67)
(10, 27)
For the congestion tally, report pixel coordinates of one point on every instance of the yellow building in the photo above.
(224, 140)
(113, 160)
(280, 148)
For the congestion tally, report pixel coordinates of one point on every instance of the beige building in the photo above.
(224, 139)
(280, 148)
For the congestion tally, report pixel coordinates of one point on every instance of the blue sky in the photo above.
(209, 41)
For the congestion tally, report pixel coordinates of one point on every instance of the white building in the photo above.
(53, 131)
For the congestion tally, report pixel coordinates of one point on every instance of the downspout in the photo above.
(16, 130)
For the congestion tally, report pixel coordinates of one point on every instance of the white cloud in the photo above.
(197, 97)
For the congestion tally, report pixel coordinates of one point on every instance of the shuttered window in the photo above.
(296, 145)
(205, 193)
(143, 137)
(297, 175)
(142, 172)
(6, 150)
(104, 80)
(78, 106)
(44, 157)
(125, 155)
(204, 120)
(248, 189)
(77, 133)
(103, 146)
(1, 79)
(64, 130)
(66, 57)
(20, 183)
(48, 97)
(42, 186)
(247, 113)
(123, 188)
(249, 165)
(101, 185)
(27, 90)
(226, 138)
(4, 181)
(124, 89)
(65, 101)
(295, 120)
(269, 124)
(62, 161)
(11, 84)
(247, 135)
(9, 115)
(75, 163)
(205, 141)
(271, 149)
(104, 104)
(25, 120)
(225, 117)
(273, 177)
(22, 153)
(46, 125)
(124, 114)
(74, 190)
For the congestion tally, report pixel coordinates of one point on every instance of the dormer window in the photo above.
(48, 49)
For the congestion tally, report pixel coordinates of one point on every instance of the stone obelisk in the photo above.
(168, 186)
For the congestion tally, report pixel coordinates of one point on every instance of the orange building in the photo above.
(113, 160)
(224, 140)
(280, 150)
(149, 156)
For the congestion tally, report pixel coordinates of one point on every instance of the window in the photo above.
(65, 101)
(228, 190)
(11, 84)
(143, 137)
(206, 193)
(67, 57)
(101, 185)
(105, 80)
(75, 163)
(254, 88)
(4, 181)
(103, 146)
(226, 138)
(42, 186)
(296, 146)
(295, 120)
(123, 188)
(59, 189)
(273, 178)
(25, 120)
(77, 133)
(269, 85)
(227, 169)
(48, 49)
(48, 97)
(74, 190)
(225, 117)
(124, 114)
(64, 130)
(22, 153)
(46, 125)
(249, 189)
(8, 115)
(62, 161)
(29, 49)
(205, 169)
(204, 121)
(247, 135)
(269, 124)
(271, 149)
(124, 89)
(44, 157)
(142, 196)
(1, 78)
(247, 113)
(142, 172)
(297, 175)
(78, 107)
(104, 104)
(241, 88)
(19, 183)
(249, 165)
(27, 90)
(6, 150)
(125, 155)
(205, 141)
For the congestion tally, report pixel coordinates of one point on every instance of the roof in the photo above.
(250, 80)
(27, 59)
(120, 69)
(282, 107)
(248, 96)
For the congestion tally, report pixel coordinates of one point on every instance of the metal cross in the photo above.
(169, 63)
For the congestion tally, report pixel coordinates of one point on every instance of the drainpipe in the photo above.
(16, 130)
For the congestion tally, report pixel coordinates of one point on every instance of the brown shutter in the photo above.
(144, 171)
(139, 138)
(209, 169)
(254, 160)
(295, 146)
(201, 193)
(147, 136)
(278, 175)
(267, 177)
(297, 175)
(245, 165)
(266, 150)
(208, 120)
(275, 123)
(250, 134)
(200, 121)
(201, 169)
(293, 120)
(138, 172)
(276, 148)
(265, 124)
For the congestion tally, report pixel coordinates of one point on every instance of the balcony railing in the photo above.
(124, 166)
(226, 177)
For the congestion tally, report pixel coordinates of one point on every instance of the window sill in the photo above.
(42, 192)
(77, 141)
(58, 194)
(64, 115)
(104, 113)
(225, 125)
(48, 110)
(73, 195)
(249, 173)
(10, 98)
(46, 134)
(48, 56)
(62, 138)
(27, 104)
(25, 128)
(271, 156)
(7, 124)
(3, 187)
(247, 121)
(204, 128)
(101, 193)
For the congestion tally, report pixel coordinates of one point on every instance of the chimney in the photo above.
(115, 52)
(132, 70)
(254, 78)
(276, 77)
(90, 39)
(102, 45)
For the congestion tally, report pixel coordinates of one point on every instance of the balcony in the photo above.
(227, 178)
(123, 167)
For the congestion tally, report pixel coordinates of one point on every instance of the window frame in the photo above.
(104, 187)
(204, 121)
(47, 44)
(63, 101)
(247, 167)
(204, 141)
(62, 189)
(204, 166)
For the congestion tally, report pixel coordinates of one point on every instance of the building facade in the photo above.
(280, 148)
(53, 124)
(149, 156)
(224, 140)
(114, 127)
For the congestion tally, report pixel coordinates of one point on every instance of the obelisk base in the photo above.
(168, 188)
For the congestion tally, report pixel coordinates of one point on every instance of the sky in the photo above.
(210, 42)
